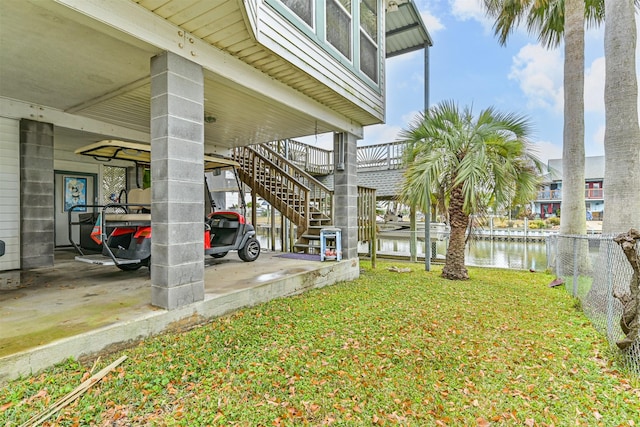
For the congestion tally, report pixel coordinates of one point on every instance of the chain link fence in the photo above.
(593, 268)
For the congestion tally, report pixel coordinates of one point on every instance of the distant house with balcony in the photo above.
(549, 200)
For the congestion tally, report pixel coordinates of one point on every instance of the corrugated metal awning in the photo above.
(405, 31)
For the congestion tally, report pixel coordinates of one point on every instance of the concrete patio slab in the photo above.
(81, 310)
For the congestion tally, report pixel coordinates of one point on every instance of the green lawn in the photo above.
(387, 349)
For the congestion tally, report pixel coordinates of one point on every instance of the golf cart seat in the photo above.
(138, 204)
(224, 227)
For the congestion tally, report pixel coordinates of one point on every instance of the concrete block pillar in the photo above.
(36, 194)
(177, 179)
(346, 192)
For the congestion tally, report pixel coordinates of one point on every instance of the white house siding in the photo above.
(10, 192)
(251, 12)
(281, 37)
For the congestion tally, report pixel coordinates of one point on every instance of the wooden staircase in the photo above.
(288, 188)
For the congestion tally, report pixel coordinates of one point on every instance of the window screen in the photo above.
(302, 8)
(339, 25)
(368, 57)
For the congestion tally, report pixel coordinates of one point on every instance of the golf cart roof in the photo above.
(140, 153)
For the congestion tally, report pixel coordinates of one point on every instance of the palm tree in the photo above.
(551, 21)
(622, 134)
(476, 161)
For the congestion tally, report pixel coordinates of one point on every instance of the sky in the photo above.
(468, 66)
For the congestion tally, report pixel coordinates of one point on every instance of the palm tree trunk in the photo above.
(573, 212)
(573, 216)
(622, 134)
(454, 267)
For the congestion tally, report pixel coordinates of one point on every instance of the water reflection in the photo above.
(480, 253)
(516, 255)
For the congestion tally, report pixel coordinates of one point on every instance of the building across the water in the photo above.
(549, 200)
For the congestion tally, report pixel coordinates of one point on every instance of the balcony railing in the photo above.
(589, 194)
(550, 195)
(593, 193)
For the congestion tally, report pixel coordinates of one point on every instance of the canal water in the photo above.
(480, 253)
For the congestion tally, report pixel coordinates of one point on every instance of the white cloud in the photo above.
(594, 86)
(539, 72)
(471, 10)
(545, 150)
(433, 23)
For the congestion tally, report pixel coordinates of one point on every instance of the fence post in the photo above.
(610, 329)
(557, 263)
(575, 266)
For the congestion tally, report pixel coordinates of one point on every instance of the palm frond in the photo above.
(486, 156)
(544, 18)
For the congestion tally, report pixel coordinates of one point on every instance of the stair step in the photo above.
(305, 245)
(322, 221)
(275, 184)
(312, 237)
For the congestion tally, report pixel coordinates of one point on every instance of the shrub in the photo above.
(553, 221)
(537, 224)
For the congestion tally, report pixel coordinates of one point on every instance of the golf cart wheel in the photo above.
(250, 251)
(219, 254)
(129, 267)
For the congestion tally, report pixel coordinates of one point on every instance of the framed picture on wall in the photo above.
(75, 193)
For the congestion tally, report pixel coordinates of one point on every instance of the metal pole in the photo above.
(610, 297)
(575, 266)
(426, 76)
(557, 257)
(413, 238)
(427, 230)
(427, 214)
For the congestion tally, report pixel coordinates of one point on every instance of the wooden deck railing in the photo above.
(382, 156)
(367, 219)
(318, 161)
(314, 160)
(298, 195)
(320, 196)
(288, 195)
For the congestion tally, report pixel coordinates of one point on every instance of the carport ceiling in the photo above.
(54, 57)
